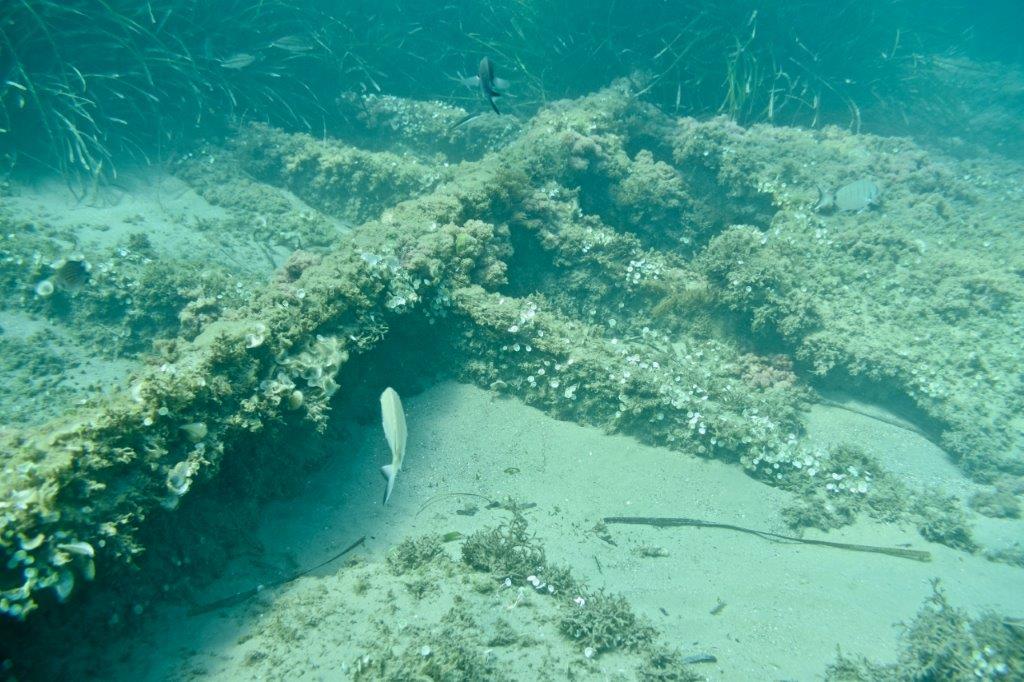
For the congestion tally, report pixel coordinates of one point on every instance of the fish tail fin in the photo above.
(825, 198)
(389, 473)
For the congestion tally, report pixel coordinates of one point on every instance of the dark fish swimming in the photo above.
(489, 85)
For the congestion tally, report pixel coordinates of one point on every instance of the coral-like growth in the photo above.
(605, 622)
(412, 553)
(997, 504)
(453, 653)
(318, 364)
(508, 550)
(945, 643)
(940, 518)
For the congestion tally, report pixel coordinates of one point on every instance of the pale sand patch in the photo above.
(178, 224)
(149, 201)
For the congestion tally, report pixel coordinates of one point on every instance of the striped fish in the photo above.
(489, 85)
(856, 196)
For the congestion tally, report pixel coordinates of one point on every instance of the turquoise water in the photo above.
(700, 323)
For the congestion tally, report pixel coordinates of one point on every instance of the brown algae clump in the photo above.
(945, 643)
(602, 622)
(412, 553)
(508, 550)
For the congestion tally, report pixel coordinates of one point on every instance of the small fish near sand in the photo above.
(393, 418)
(854, 197)
(488, 84)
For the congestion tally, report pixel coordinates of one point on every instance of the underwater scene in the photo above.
(396, 340)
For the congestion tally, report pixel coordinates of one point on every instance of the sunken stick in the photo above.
(248, 594)
(668, 522)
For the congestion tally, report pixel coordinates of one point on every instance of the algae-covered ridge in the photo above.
(604, 265)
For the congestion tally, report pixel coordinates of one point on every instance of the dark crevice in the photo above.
(531, 269)
(190, 546)
(838, 384)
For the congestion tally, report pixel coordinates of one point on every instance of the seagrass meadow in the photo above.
(711, 266)
(89, 85)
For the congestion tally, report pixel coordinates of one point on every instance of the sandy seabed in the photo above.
(786, 607)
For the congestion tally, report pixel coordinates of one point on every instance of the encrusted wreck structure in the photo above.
(602, 261)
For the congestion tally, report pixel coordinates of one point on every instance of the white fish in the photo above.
(394, 430)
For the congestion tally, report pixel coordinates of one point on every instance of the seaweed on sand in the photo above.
(945, 643)
(507, 550)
